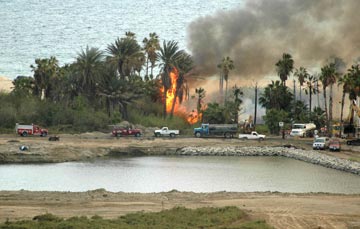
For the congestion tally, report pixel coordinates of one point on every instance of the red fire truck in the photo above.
(26, 130)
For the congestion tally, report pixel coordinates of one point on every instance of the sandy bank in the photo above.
(281, 210)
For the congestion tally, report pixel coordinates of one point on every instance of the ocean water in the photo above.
(31, 29)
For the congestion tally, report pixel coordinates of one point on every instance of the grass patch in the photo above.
(179, 217)
(356, 159)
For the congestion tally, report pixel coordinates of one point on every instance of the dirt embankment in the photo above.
(281, 210)
(91, 145)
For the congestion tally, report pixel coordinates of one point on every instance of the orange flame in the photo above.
(170, 94)
(179, 110)
(194, 117)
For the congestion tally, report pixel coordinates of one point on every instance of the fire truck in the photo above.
(27, 130)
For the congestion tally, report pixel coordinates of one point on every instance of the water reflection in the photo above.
(198, 174)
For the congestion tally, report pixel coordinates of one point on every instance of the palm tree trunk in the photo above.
(151, 71)
(330, 108)
(310, 100)
(123, 111)
(300, 92)
(326, 110)
(173, 104)
(342, 107)
(221, 86)
(164, 108)
(226, 88)
(147, 67)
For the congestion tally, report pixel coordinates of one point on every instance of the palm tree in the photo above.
(311, 89)
(226, 66)
(276, 96)
(45, 70)
(347, 85)
(185, 65)
(329, 75)
(169, 56)
(237, 100)
(200, 92)
(126, 54)
(89, 63)
(121, 93)
(302, 75)
(285, 67)
(151, 46)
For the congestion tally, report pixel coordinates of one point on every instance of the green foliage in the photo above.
(263, 129)
(272, 119)
(299, 112)
(178, 217)
(276, 96)
(214, 113)
(177, 122)
(317, 116)
(227, 113)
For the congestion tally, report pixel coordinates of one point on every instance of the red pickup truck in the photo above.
(119, 132)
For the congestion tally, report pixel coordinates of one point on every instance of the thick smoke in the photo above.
(257, 35)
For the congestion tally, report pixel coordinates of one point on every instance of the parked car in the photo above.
(165, 131)
(252, 135)
(321, 143)
(119, 132)
(334, 144)
(355, 142)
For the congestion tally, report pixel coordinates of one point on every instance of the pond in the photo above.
(197, 174)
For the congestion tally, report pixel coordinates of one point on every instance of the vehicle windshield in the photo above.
(298, 126)
(320, 140)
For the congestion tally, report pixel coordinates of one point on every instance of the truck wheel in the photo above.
(118, 135)
(198, 134)
(261, 139)
(172, 135)
(43, 134)
(137, 135)
(157, 135)
(227, 135)
(24, 134)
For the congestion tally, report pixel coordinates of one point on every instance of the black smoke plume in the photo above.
(256, 35)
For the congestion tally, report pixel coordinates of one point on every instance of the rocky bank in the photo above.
(298, 154)
(74, 148)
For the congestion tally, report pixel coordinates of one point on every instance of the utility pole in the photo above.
(255, 113)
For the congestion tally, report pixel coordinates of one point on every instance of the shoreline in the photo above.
(91, 146)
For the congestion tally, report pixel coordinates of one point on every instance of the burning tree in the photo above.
(168, 56)
(175, 64)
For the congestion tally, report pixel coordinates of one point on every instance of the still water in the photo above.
(198, 174)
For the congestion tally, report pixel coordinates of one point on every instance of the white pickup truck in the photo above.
(166, 132)
(252, 135)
